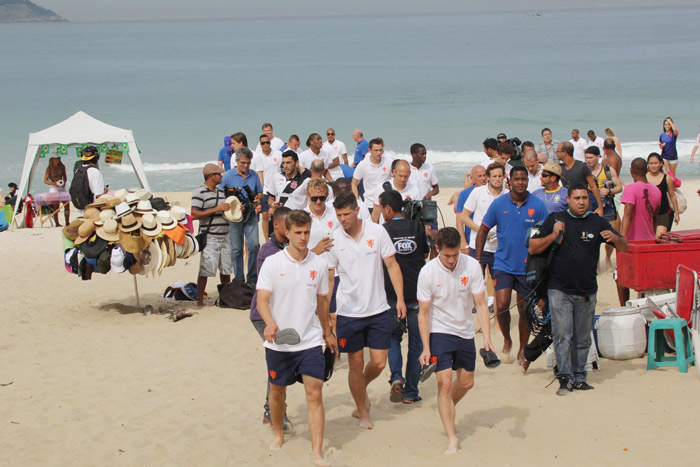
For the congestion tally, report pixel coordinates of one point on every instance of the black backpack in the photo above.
(80, 193)
(235, 294)
(537, 267)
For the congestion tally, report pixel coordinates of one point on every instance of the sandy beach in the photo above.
(88, 380)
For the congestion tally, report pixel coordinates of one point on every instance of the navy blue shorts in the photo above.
(283, 367)
(449, 351)
(355, 334)
(487, 259)
(504, 280)
(334, 303)
(265, 205)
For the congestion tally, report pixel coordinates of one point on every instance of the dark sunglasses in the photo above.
(330, 134)
(546, 175)
(264, 142)
(318, 198)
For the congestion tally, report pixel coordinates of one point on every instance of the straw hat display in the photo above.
(125, 232)
(235, 213)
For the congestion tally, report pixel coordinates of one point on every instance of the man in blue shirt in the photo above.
(478, 178)
(362, 147)
(514, 214)
(241, 176)
(225, 154)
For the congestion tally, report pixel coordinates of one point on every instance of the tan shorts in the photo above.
(216, 255)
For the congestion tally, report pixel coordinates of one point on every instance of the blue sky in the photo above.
(106, 10)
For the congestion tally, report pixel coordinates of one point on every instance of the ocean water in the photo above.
(448, 81)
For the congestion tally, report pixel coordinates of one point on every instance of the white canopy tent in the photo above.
(79, 129)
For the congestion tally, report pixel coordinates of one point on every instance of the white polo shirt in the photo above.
(275, 143)
(295, 287)
(478, 203)
(372, 177)
(425, 178)
(600, 142)
(579, 148)
(450, 295)
(307, 157)
(322, 226)
(336, 150)
(359, 265)
(269, 166)
(298, 199)
(411, 190)
(534, 182)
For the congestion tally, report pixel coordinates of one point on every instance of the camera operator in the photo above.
(408, 237)
(247, 187)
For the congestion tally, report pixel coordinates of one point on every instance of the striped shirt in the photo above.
(203, 198)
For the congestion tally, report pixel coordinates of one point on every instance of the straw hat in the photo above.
(71, 230)
(144, 207)
(166, 220)
(150, 225)
(132, 242)
(235, 213)
(130, 223)
(109, 231)
(553, 168)
(105, 215)
(164, 260)
(131, 198)
(112, 203)
(143, 194)
(98, 203)
(178, 213)
(90, 213)
(150, 258)
(171, 252)
(85, 230)
(121, 194)
(123, 209)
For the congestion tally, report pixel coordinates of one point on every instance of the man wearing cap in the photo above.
(225, 154)
(208, 204)
(551, 192)
(448, 287)
(246, 180)
(87, 183)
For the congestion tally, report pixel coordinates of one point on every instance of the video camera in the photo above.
(246, 196)
(516, 144)
(424, 211)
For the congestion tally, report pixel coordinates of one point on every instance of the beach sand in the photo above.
(94, 382)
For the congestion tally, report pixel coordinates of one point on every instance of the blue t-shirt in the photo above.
(225, 157)
(668, 152)
(513, 223)
(461, 199)
(555, 201)
(232, 179)
(360, 151)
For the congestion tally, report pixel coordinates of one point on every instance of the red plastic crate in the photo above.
(650, 265)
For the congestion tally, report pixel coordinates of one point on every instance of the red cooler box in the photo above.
(650, 265)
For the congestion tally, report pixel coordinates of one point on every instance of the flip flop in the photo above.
(287, 336)
(426, 371)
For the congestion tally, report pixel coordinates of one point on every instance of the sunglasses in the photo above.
(264, 142)
(330, 134)
(546, 175)
(315, 199)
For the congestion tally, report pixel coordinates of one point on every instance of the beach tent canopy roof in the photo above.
(78, 129)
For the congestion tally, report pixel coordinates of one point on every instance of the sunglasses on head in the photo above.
(315, 199)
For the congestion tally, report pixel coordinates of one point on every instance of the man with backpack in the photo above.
(572, 284)
(87, 182)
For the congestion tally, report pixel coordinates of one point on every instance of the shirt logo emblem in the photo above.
(506, 212)
(384, 169)
(283, 274)
(433, 359)
(425, 175)
(342, 342)
(370, 243)
(312, 274)
(273, 374)
(530, 212)
(330, 224)
(463, 280)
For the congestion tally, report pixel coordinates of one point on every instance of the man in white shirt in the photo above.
(491, 151)
(423, 173)
(266, 163)
(315, 143)
(337, 150)
(296, 276)
(448, 288)
(580, 145)
(298, 200)
(275, 142)
(401, 180)
(594, 140)
(373, 172)
(323, 218)
(288, 180)
(359, 249)
(534, 170)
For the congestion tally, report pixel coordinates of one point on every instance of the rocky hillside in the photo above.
(23, 11)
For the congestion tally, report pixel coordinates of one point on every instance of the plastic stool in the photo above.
(684, 348)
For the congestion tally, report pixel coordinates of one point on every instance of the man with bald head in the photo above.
(534, 170)
(362, 147)
(401, 180)
(478, 178)
(610, 156)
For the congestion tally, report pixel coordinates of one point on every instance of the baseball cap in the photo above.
(553, 168)
(212, 169)
(501, 136)
(227, 141)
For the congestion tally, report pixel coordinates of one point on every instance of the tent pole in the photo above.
(136, 289)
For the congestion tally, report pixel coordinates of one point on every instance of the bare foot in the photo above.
(321, 462)
(368, 405)
(367, 424)
(506, 354)
(525, 365)
(276, 443)
(452, 447)
(521, 359)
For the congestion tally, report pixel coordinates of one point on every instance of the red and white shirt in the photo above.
(323, 226)
(425, 178)
(373, 176)
(269, 166)
(336, 150)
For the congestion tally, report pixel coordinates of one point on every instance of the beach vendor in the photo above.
(448, 288)
(296, 276)
(208, 204)
(87, 183)
(56, 178)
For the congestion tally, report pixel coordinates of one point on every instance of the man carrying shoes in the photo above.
(448, 288)
(293, 293)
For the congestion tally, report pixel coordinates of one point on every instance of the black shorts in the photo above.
(355, 334)
(449, 351)
(487, 259)
(283, 367)
(334, 303)
(504, 280)
(265, 205)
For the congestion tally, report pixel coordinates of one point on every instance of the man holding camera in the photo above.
(246, 185)
(408, 237)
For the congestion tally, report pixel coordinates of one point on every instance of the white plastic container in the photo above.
(621, 333)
